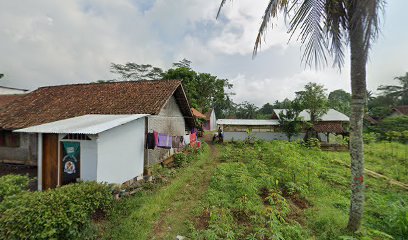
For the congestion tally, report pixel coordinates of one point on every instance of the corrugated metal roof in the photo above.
(85, 124)
(247, 122)
(331, 115)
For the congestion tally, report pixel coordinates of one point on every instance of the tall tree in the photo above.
(340, 100)
(289, 120)
(135, 72)
(246, 110)
(313, 99)
(398, 91)
(326, 27)
(205, 91)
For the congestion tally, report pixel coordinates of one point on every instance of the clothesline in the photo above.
(166, 141)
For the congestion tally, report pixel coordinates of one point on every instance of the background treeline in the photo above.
(206, 91)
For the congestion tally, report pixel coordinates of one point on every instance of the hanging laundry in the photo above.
(193, 139)
(181, 143)
(186, 139)
(156, 137)
(176, 142)
(164, 141)
(150, 141)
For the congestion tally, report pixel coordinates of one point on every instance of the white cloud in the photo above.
(49, 42)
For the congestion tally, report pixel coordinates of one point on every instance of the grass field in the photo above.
(160, 212)
(267, 190)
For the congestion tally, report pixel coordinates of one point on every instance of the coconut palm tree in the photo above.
(396, 91)
(326, 28)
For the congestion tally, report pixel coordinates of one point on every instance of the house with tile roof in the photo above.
(399, 111)
(41, 122)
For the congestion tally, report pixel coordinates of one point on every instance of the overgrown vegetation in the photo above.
(135, 217)
(61, 213)
(13, 184)
(281, 190)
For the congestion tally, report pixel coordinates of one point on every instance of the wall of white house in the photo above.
(89, 157)
(169, 121)
(121, 152)
(267, 136)
(213, 121)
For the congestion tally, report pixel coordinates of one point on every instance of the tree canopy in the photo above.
(400, 92)
(340, 101)
(314, 100)
(204, 90)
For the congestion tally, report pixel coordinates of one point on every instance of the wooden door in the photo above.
(50, 161)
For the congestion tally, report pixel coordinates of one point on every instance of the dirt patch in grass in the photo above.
(203, 221)
(296, 199)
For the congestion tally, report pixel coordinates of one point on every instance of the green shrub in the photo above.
(371, 137)
(396, 220)
(180, 159)
(61, 213)
(313, 143)
(397, 124)
(13, 184)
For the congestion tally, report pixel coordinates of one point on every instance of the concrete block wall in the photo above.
(25, 154)
(267, 136)
(170, 121)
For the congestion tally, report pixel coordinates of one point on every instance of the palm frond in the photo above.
(219, 9)
(336, 26)
(274, 6)
(309, 19)
(369, 12)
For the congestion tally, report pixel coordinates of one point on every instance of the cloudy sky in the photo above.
(48, 42)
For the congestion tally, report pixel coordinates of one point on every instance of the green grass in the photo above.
(143, 215)
(301, 175)
(389, 159)
(267, 190)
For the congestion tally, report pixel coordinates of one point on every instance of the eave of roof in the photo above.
(331, 115)
(86, 124)
(247, 122)
(49, 104)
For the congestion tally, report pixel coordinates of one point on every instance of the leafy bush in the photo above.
(397, 124)
(313, 143)
(61, 213)
(13, 184)
(180, 159)
(397, 219)
(371, 137)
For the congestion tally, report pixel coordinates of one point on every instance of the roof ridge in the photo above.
(108, 83)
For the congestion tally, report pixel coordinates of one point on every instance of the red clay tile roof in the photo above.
(402, 109)
(329, 127)
(9, 98)
(197, 114)
(48, 104)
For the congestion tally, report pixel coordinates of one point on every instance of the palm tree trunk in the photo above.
(358, 89)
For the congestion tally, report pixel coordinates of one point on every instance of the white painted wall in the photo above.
(213, 121)
(267, 136)
(121, 152)
(89, 157)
